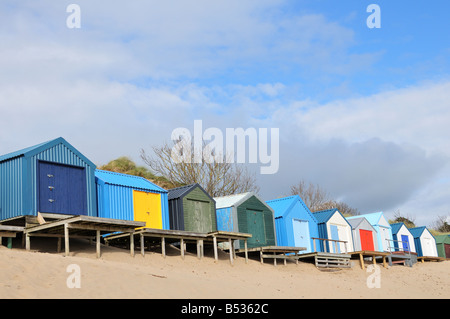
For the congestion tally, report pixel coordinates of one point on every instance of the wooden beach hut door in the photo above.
(447, 250)
(405, 243)
(334, 236)
(255, 224)
(366, 237)
(62, 189)
(301, 233)
(202, 222)
(147, 208)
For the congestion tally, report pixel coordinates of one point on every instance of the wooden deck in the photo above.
(431, 258)
(10, 233)
(276, 252)
(162, 237)
(79, 226)
(373, 254)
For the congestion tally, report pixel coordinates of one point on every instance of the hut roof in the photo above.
(121, 179)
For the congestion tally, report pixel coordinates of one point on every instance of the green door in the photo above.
(255, 224)
(199, 220)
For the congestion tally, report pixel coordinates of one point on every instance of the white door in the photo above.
(384, 233)
(428, 246)
(301, 234)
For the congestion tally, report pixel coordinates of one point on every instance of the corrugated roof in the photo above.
(373, 218)
(127, 180)
(417, 231)
(396, 227)
(281, 206)
(324, 215)
(32, 150)
(180, 191)
(231, 200)
(355, 221)
(442, 239)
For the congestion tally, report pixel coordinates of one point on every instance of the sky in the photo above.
(363, 112)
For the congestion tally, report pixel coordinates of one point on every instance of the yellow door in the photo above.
(147, 208)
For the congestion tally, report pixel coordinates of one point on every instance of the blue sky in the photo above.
(362, 112)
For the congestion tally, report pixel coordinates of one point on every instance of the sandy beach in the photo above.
(43, 273)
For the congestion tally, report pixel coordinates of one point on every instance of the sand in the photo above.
(43, 273)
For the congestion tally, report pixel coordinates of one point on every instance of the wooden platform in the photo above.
(9, 232)
(431, 258)
(373, 254)
(324, 260)
(276, 252)
(148, 236)
(79, 226)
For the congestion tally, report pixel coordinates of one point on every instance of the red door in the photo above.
(447, 250)
(366, 240)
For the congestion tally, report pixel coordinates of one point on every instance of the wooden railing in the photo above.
(324, 240)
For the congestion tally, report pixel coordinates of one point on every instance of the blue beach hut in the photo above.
(49, 178)
(424, 241)
(333, 225)
(295, 224)
(134, 198)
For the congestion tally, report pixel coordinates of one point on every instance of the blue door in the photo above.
(405, 242)
(301, 234)
(335, 236)
(62, 189)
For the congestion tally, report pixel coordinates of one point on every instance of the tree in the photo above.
(409, 221)
(217, 175)
(125, 165)
(442, 224)
(317, 199)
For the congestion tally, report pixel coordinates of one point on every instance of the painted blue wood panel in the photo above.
(405, 243)
(334, 235)
(62, 189)
(225, 219)
(301, 234)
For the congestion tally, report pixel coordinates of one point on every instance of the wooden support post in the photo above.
(142, 244)
(384, 262)
(58, 245)
(163, 246)
(200, 248)
(231, 250)
(314, 244)
(215, 249)
(274, 259)
(27, 241)
(132, 244)
(9, 245)
(182, 248)
(285, 259)
(261, 256)
(246, 251)
(98, 243)
(66, 238)
(361, 259)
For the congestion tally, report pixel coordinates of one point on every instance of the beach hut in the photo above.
(295, 224)
(52, 178)
(364, 234)
(384, 231)
(191, 208)
(443, 245)
(134, 198)
(403, 239)
(332, 225)
(424, 241)
(246, 213)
